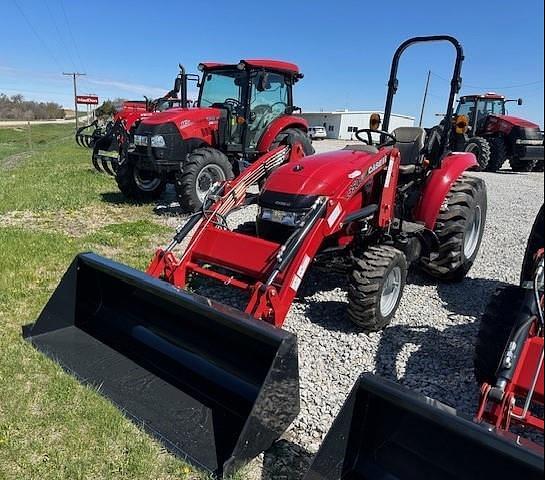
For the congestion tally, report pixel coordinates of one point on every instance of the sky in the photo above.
(132, 48)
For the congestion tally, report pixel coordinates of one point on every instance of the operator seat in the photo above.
(410, 143)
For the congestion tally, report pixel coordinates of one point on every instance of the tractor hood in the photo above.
(326, 174)
(517, 122)
(183, 117)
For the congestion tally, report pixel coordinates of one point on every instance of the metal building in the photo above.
(342, 124)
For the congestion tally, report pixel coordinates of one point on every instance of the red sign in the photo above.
(87, 99)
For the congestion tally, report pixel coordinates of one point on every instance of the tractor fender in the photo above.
(438, 185)
(277, 126)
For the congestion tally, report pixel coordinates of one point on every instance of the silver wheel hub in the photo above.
(146, 181)
(391, 291)
(473, 233)
(206, 178)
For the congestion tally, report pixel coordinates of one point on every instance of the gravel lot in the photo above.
(429, 345)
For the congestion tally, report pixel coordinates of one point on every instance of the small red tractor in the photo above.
(110, 141)
(494, 136)
(242, 112)
(368, 211)
(509, 353)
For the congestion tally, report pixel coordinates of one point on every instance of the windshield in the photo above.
(478, 110)
(221, 85)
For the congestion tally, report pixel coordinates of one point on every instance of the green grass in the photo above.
(52, 427)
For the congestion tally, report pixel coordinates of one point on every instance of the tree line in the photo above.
(17, 108)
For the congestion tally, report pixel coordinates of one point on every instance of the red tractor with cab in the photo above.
(243, 111)
(494, 136)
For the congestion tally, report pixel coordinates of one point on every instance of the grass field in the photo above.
(53, 205)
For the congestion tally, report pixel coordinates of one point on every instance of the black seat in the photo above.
(361, 148)
(410, 142)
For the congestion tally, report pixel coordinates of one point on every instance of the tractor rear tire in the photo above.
(498, 154)
(138, 185)
(518, 165)
(204, 167)
(459, 229)
(376, 287)
(496, 325)
(480, 147)
(291, 136)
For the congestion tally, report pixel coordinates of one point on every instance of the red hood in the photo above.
(176, 115)
(325, 174)
(518, 122)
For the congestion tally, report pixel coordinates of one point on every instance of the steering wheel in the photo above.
(233, 102)
(369, 141)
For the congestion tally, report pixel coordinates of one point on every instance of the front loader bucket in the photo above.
(213, 385)
(387, 432)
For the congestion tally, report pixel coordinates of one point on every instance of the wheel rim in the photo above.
(390, 292)
(207, 177)
(473, 233)
(145, 180)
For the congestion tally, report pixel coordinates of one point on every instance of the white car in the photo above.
(317, 133)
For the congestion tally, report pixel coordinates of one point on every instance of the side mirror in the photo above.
(177, 85)
(520, 101)
(263, 82)
(375, 121)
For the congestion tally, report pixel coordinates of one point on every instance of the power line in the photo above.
(75, 76)
(57, 29)
(74, 44)
(40, 39)
(505, 87)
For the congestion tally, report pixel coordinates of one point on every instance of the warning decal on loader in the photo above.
(298, 277)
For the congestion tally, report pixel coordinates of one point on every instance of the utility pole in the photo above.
(425, 99)
(74, 76)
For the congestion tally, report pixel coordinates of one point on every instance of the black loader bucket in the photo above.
(213, 385)
(387, 432)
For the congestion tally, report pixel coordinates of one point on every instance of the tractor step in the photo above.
(214, 386)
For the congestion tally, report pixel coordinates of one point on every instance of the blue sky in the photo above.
(344, 47)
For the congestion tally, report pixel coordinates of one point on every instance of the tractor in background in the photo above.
(243, 111)
(109, 140)
(494, 136)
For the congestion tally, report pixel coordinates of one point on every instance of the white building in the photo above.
(343, 124)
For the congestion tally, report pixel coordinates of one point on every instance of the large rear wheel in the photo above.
(496, 325)
(498, 154)
(204, 167)
(138, 184)
(376, 287)
(291, 136)
(519, 165)
(480, 147)
(459, 229)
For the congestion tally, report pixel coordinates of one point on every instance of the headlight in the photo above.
(141, 140)
(292, 219)
(157, 141)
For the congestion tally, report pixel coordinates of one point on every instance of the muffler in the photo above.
(212, 384)
(387, 432)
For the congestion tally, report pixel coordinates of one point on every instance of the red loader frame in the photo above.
(512, 399)
(269, 272)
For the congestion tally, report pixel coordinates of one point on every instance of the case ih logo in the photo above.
(87, 99)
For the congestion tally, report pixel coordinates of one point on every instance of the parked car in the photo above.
(317, 133)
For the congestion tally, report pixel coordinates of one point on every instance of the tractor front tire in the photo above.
(291, 136)
(376, 286)
(498, 154)
(138, 185)
(518, 165)
(495, 330)
(204, 167)
(459, 229)
(480, 147)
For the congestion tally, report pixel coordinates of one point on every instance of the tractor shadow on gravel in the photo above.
(167, 204)
(286, 460)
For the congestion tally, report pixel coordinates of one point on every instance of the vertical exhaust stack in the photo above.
(387, 432)
(213, 385)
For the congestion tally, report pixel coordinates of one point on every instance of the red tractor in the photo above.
(494, 136)
(110, 141)
(242, 112)
(368, 210)
(509, 353)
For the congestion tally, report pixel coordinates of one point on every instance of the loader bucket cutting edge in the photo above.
(213, 385)
(385, 431)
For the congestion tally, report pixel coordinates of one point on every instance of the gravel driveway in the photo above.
(429, 345)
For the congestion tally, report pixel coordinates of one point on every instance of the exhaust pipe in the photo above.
(387, 432)
(213, 385)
